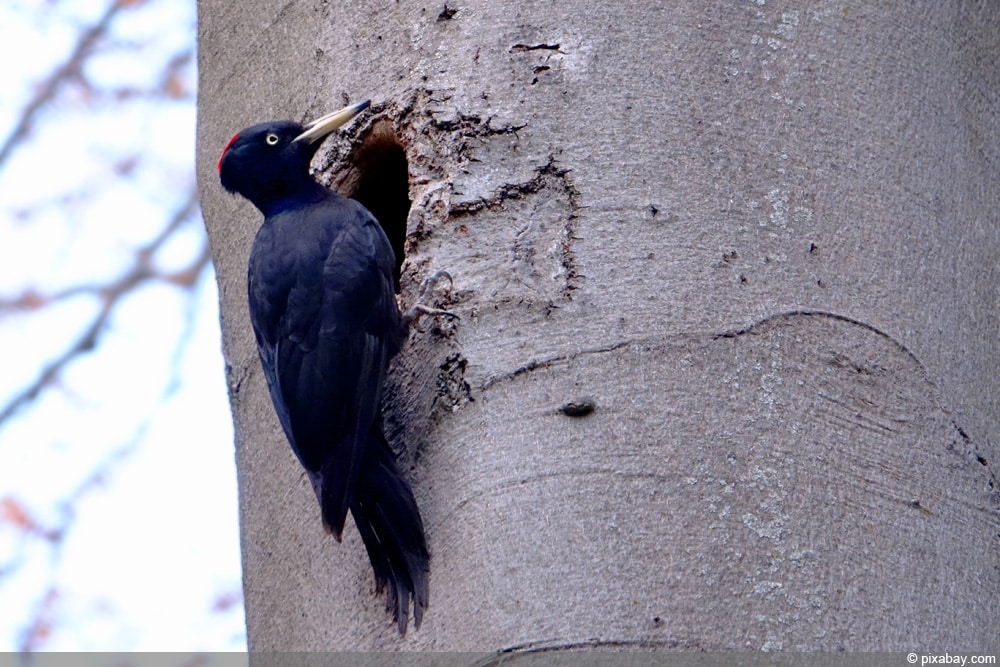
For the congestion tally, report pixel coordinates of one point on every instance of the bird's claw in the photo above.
(429, 283)
(421, 309)
(427, 287)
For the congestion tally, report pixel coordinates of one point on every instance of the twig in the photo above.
(110, 294)
(68, 71)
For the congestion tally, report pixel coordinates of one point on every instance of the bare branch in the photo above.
(70, 70)
(110, 294)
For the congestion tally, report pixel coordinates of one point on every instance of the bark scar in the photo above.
(787, 315)
(969, 446)
(550, 361)
(521, 48)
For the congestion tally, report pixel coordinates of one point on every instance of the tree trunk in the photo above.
(725, 373)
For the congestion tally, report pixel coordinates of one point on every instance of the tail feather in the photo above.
(388, 519)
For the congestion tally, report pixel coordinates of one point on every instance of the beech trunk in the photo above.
(725, 370)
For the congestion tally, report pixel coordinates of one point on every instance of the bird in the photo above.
(324, 314)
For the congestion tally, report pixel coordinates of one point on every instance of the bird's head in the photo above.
(270, 161)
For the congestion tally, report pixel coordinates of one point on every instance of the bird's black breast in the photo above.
(324, 313)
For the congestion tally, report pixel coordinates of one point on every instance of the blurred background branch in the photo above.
(118, 525)
(68, 71)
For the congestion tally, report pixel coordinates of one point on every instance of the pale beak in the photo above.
(321, 127)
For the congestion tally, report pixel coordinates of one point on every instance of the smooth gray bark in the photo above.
(761, 239)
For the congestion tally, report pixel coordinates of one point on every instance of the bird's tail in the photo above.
(387, 517)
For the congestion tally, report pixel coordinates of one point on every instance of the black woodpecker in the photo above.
(324, 312)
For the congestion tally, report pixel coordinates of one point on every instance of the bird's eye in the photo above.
(272, 139)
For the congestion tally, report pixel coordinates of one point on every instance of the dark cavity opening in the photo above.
(380, 181)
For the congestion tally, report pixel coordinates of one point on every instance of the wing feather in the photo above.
(327, 322)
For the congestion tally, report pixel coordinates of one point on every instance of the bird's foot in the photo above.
(427, 287)
(430, 282)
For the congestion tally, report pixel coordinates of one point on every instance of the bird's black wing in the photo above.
(326, 324)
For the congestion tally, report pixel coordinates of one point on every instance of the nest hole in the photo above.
(380, 181)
